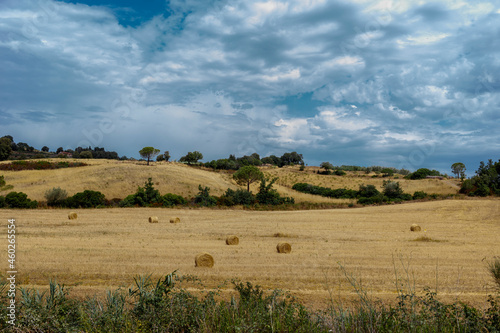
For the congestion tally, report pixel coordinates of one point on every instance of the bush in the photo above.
(19, 200)
(86, 154)
(56, 196)
(86, 199)
(339, 172)
(368, 191)
(203, 198)
(419, 195)
(238, 197)
(373, 200)
(392, 189)
(2, 202)
(269, 196)
(170, 200)
(2, 181)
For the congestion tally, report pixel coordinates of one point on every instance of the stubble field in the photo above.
(105, 248)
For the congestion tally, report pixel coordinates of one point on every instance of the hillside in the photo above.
(117, 179)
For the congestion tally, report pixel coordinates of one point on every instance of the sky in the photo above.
(406, 84)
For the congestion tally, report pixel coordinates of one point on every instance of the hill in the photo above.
(117, 179)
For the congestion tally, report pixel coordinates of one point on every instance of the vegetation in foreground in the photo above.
(165, 306)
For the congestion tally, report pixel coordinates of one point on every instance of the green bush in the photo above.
(339, 172)
(269, 196)
(203, 198)
(419, 195)
(19, 200)
(144, 197)
(2, 202)
(392, 190)
(367, 191)
(56, 196)
(2, 181)
(86, 199)
(170, 200)
(238, 197)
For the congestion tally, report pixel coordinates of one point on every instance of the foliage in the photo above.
(2, 202)
(144, 197)
(248, 175)
(387, 172)
(86, 154)
(38, 165)
(19, 200)
(326, 165)
(392, 189)
(494, 270)
(339, 172)
(203, 198)
(325, 191)
(2, 181)
(56, 196)
(170, 200)
(238, 197)
(191, 157)
(485, 182)
(458, 169)
(86, 199)
(422, 173)
(419, 195)
(149, 152)
(45, 149)
(5, 147)
(269, 196)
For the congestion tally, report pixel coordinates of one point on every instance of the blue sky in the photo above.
(407, 84)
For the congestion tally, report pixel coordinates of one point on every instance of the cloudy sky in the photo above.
(399, 83)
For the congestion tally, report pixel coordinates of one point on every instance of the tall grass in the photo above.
(166, 306)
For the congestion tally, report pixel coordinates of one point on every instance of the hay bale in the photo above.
(72, 216)
(203, 260)
(415, 227)
(283, 247)
(232, 240)
(176, 220)
(153, 219)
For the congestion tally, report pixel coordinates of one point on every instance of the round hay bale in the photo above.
(283, 247)
(72, 216)
(232, 240)
(415, 227)
(203, 260)
(176, 220)
(153, 219)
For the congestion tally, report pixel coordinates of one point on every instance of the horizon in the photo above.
(389, 83)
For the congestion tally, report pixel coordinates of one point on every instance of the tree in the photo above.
(458, 169)
(59, 150)
(327, 166)
(166, 155)
(392, 189)
(247, 175)
(45, 149)
(192, 157)
(5, 148)
(149, 152)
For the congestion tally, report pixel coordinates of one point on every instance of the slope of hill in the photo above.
(117, 179)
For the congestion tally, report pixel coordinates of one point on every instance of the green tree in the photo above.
(45, 149)
(392, 189)
(248, 175)
(327, 166)
(459, 170)
(166, 155)
(192, 157)
(149, 152)
(5, 148)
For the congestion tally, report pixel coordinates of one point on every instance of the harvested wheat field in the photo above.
(106, 248)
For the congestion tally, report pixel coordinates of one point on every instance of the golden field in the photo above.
(117, 179)
(106, 248)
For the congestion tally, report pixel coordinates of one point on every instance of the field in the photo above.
(105, 248)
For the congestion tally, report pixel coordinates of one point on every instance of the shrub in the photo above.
(19, 200)
(368, 191)
(203, 198)
(373, 200)
(269, 196)
(2, 202)
(339, 172)
(86, 199)
(2, 181)
(392, 189)
(419, 195)
(238, 197)
(494, 270)
(170, 200)
(85, 154)
(55, 196)
(145, 196)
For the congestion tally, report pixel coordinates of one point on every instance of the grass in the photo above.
(494, 269)
(106, 248)
(426, 239)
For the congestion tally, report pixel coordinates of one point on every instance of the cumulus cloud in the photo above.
(380, 78)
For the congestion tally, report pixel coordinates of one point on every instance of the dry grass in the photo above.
(116, 179)
(105, 248)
